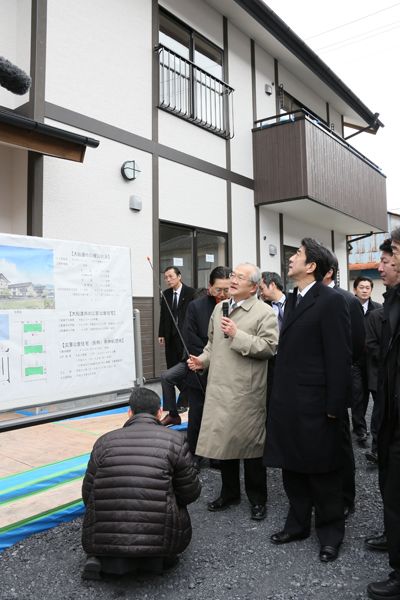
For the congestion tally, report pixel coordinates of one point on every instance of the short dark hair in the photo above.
(269, 277)
(386, 246)
(317, 253)
(395, 234)
(333, 263)
(219, 273)
(177, 271)
(360, 279)
(144, 400)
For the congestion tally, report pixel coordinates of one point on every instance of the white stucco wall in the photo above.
(294, 231)
(90, 202)
(269, 229)
(341, 254)
(15, 35)
(240, 79)
(243, 226)
(188, 138)
(336, 119)
(301, 92)
(191, 197)
(99, 58)
(264, 65)
(13, 190)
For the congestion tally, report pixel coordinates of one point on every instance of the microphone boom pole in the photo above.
(173, 320)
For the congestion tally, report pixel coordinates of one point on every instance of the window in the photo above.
(191, 77)
(196, 252)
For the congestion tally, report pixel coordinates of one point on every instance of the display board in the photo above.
(66, 322)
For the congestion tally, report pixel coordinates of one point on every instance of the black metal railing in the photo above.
(191, 93)
(303, 114)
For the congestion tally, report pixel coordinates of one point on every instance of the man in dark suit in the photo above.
(177, 297)
(308, 400)
(362, 289)
(389, 433)
(358, 346)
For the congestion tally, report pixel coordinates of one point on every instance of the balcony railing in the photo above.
(297, 157)
(301, 114)
(191, 93)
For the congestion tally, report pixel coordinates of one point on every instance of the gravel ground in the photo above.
(230, 558)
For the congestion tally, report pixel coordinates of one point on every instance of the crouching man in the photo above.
(138, 482)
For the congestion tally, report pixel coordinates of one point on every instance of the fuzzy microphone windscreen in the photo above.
(13, 78)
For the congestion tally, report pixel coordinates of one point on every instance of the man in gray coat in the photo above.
(138, 482)
(233, 424)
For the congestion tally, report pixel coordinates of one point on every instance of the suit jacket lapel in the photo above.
(305, 304)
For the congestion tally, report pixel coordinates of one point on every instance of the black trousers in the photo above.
(174, 376)
(390, 488)
(323, 491)
(196, 405)
(255, 479)
(360, 397)
(349, 466)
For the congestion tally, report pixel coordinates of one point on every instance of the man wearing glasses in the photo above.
(233, 425)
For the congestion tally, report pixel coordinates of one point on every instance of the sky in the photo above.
(22, 265)
(360, 42)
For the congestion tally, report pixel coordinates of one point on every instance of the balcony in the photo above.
(303, 169)
(192, 94)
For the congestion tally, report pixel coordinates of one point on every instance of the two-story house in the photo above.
(220, 138)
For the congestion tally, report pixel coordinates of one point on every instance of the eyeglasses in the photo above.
(220, 290)
(239, 277)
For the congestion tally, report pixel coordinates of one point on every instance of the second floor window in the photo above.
(191, 77)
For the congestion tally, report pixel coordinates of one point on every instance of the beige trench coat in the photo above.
(233, 423)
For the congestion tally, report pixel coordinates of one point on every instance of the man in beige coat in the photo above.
(233, 425)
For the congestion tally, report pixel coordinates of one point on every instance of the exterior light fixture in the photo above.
(129, 170)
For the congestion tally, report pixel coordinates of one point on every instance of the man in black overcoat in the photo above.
(389, 433)
(308, 400)
(357, 329)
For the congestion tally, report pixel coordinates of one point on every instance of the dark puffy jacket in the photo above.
(137, 485)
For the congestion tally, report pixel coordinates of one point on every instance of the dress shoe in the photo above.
(170, 420)
(377, 542)
(258, 512)
(198, 462)
(328, 553)
(92, 568)
(372, 457)
(362, 438)
(283, 537)
(385, 590)
(221, 503)
(214, 463)
(348, 510)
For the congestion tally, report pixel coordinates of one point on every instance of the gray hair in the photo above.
(395, 235)
(255, 276)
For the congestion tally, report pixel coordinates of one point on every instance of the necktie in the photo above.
(175, 306)
(232, 307)
(280, 313)
(299, 298)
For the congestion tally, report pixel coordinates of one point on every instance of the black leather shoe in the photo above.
(328, 553)
(348, 510)
(377, 543)
(372, 457)
(385, 590)
(362, 438)
(258, 512)
(92, 568)
(282, 537)
(222, 503)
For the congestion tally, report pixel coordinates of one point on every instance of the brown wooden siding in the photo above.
(301, 160)
(149, 341)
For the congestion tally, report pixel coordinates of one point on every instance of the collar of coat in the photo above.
(307, 301)
(248, 303)
(142, 418)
